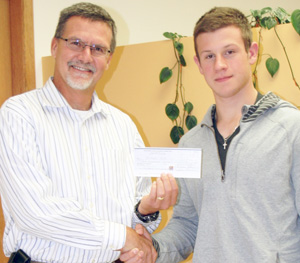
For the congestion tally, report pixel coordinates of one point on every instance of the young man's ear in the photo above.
(197, 61)
(253, 52)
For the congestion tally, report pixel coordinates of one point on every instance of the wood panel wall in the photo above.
(17, 73)
(5, 51)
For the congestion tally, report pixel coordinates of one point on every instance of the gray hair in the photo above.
(89, 11)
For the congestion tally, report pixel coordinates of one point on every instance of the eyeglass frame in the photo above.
(92, 47)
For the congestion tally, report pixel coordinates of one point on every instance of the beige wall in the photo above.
(132, 82)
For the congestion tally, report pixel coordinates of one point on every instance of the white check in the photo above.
(180, 162)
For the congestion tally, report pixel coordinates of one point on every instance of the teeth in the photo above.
(82, 69)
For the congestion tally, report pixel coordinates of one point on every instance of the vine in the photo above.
(172, 110)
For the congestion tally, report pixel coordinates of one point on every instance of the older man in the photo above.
(68, 188)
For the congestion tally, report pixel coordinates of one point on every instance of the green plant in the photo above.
(268, 18)
(172, 110)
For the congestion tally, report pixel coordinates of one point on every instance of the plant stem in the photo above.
(286, 58)
(257, 60)
(178, 71)
(178, 80)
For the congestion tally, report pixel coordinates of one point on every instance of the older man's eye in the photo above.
(75, 42)
(99, 49)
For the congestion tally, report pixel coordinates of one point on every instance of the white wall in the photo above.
(138, 21)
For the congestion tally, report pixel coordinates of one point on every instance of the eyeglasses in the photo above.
(78, 45)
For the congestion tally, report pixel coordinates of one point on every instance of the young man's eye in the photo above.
(229, 52)
(210, 56)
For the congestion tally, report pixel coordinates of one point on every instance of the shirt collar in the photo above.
(51, 97)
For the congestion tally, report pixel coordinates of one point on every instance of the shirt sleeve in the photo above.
(32, 202)
(295, 167)
(181, 230)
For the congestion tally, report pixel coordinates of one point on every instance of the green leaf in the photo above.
(179, 47)
(272, 66)
(266, 10)
(169, 35)
(172, 111)
(176, 133)
(282, 15)
(182, 60)
(295, 18)
(270, 22)
(165, 74)
(255, 13)
(191, 121)
(188, 107)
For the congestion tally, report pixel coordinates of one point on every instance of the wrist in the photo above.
(141, 209)
(144, 208)
(156, 246)
(147, 217)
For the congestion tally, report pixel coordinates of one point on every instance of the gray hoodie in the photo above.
(253, 215)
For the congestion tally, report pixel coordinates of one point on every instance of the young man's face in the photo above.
(224, 62)
(80, 70)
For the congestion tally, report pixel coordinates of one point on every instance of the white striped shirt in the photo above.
(67, 181)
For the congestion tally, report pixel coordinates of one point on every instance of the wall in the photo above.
(138, 21)
(5, 80)
(132, 83)
(5, 61)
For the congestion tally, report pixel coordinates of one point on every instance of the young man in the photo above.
(67, 182)
(245, 207)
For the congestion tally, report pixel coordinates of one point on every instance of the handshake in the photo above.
(139, 247)
(144, 251)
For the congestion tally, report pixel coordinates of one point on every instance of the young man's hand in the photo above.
(138, 247)
(137, 254)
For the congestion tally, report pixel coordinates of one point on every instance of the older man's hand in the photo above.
(138, 247)
(163, 194)
(137, 254)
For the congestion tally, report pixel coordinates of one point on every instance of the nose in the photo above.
(220, 63)
(86, 55)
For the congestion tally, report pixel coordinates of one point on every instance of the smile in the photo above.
(81, 66)
(81, 69)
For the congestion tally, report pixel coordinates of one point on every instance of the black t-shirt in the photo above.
(222, 143)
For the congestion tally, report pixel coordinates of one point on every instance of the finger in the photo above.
(153, 191)
(167, 185)
(138, 258)
(154, 255)
(139, 229)
(130, 254)
(174, 187)
(160, 189)
(142, 231)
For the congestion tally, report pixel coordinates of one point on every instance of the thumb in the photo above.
(139, 229)
(142, 231)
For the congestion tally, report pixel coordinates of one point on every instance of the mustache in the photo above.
(80, 64)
